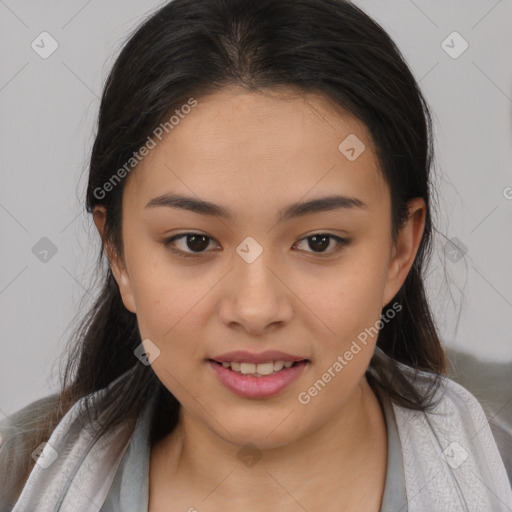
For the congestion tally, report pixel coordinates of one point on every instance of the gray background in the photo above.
(48, 115)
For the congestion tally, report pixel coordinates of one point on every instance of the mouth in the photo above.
(259, 369)
(258, 380)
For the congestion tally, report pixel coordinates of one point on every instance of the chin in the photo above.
(261, 431)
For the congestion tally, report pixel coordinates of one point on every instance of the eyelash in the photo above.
(342, 242)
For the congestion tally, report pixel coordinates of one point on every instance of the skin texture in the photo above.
(256, 153)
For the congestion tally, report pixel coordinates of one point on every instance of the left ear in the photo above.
(405, 249)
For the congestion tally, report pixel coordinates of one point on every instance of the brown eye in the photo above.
(319, 242)
(190, 243)
(197, 242)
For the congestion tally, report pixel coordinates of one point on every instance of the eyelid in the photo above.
(168, 241)
(341, 243)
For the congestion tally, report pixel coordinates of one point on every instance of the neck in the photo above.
(332, 457)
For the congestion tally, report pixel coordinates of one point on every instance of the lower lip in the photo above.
(250, 386)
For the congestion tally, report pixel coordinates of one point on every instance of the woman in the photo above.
(260, 180)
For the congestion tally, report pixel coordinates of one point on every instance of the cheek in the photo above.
(166, 315)
(161, 298)
(350, 304)
(171, 312)
(346, 299)
(160, 289)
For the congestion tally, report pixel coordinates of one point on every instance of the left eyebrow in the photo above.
(300, 209)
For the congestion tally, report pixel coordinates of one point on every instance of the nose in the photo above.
(256, 298)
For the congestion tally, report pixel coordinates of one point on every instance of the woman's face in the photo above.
(256, 283)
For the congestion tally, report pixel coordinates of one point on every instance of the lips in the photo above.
(250, 375)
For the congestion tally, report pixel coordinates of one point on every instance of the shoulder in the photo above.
(452, 441)
(454, 408)
(18, 432)
(457, 403)
(451, 400)
(491, 383)
(456, 435)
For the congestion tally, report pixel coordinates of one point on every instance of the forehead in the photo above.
(252, 148)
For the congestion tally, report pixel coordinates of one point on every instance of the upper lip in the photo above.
(244, 356)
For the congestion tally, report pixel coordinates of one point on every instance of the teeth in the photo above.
(278, 365)
(265, 368)
(246, 368)
(258, 370)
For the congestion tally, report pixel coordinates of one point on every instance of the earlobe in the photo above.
(124, 284)
(118, 269)
(405, 249)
